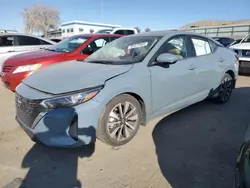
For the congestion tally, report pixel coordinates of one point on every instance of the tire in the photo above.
(225, 89)
(115, 129)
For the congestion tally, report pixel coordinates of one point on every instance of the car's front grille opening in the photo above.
(7, 68)
(26, 110)
(246, 53)
(7, 84)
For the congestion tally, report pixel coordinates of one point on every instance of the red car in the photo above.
(18, 67)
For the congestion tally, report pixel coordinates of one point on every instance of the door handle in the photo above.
(221, 60)
(191, 67)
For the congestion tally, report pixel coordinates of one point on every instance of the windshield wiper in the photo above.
(101, 62)
(49, 49)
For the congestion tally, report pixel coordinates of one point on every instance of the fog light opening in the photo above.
(73, 129)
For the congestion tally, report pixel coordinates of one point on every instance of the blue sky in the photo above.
(155, 14)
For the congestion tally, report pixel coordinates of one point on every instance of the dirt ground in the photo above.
(193, 148)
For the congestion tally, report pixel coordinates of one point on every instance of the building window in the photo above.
(63, 30)
(68, 30)
(71, 30)
(91, 30)
(81, 29)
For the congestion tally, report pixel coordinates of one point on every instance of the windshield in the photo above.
(104, 31)
(69, 44)
(247, 39)
(130, 49)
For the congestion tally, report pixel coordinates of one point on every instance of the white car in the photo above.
(13, 43)
(243, 50)
(119, 31)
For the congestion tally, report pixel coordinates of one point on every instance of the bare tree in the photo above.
(147, 29)
(138, 29)
(40, 18)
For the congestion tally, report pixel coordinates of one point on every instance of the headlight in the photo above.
(70, 100)
(26, 68)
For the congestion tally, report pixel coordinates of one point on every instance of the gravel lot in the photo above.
(193, 148)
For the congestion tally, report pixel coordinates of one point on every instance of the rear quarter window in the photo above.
(43, 42)
(7, 41)
(119, 32)
(213, 46)
(130, 32)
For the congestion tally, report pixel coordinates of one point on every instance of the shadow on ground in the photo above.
(197, 147)
(50, 167)
(54, 167)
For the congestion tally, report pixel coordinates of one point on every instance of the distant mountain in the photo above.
(208, 23)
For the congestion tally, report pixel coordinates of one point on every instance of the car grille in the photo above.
(246, 53)
(26, 110)
(7, 68)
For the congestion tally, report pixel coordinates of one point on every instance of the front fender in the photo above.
(135, 82)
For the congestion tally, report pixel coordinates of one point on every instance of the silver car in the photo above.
(122, 86)
(13, 43)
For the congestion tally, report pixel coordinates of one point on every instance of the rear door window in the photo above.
(28, 41)
(201, 46)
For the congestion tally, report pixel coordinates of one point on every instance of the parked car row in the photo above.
(107, 85)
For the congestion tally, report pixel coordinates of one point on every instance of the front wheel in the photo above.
(225, 89)
(119, 121)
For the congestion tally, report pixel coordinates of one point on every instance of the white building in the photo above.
(79, 27)
(7, 31)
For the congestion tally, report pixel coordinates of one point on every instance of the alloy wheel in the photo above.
(226, 89)
(122, 121)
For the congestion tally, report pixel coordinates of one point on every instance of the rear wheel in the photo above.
(225, 89)
(119, 121)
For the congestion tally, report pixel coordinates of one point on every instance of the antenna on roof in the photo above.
(101, 9)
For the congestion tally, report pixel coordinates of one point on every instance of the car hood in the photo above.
(32, 57)
(241, 46)
(72, 76)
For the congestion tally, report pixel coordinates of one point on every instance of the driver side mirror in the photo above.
(87, 50)
(167, 58)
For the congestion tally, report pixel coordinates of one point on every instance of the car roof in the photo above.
(21, 34)
(98, 35)
(222, 38)
(163, 33)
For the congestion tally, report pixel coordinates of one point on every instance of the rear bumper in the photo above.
(11, 81)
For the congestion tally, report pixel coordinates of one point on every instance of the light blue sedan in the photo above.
(122, 86)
